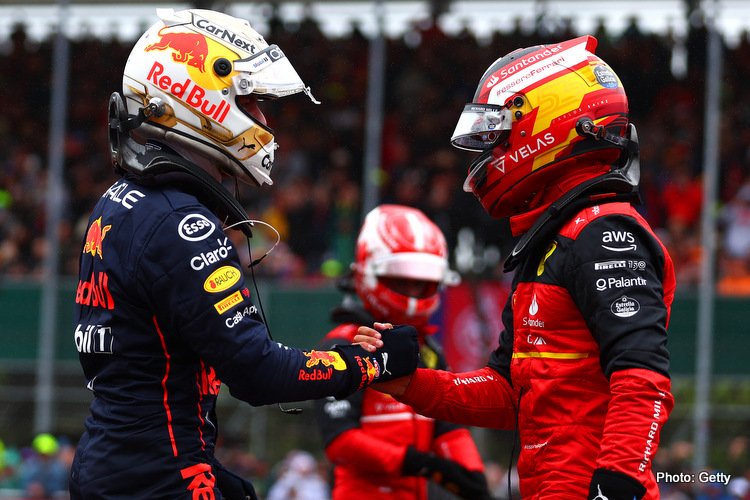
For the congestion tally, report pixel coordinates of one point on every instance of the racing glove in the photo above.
(398, 357)
(453, 477)
(611, 485)
(232, 486)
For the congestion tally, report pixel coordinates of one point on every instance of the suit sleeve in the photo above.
(481, 398)
(618, 275)
(197, 286)
(458, 446)
(336, 416)
(358, 450)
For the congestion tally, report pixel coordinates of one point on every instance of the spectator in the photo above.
(43, 473)
(9, 464)
(299, 479)
(424, 89)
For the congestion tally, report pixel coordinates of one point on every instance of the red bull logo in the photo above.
(202, 481)
(315, 375)
(94, 237)
(209, 383)
(187, 48)
(326, 358)
(373, 369)
(192, 93)
(95, 292)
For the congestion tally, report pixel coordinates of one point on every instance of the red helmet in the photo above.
(535, 110)
(400, 264)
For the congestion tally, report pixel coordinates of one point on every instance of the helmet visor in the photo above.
(418, 289)
(412, 265)
(482, 126)
(267, 73)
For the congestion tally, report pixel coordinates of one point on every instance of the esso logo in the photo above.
(195, 227)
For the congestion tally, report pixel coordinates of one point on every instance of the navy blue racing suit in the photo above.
(163, 317)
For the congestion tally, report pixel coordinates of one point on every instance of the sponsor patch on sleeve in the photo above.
(222, 279)
(227, 303)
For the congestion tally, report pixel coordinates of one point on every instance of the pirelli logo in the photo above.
(229, 302)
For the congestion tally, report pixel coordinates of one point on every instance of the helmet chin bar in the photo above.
(621, 184)
(129, 155)
(128, 134)
(629, 164)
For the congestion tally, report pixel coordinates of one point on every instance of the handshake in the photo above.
(381, 356)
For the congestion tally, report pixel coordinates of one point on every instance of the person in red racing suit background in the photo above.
(582, 369)
(377, 444)
(163, 313)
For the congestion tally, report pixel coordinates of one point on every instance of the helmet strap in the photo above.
(606, 188)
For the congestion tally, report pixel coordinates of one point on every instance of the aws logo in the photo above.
(618, 241)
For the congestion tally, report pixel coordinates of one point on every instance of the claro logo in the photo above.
(195, 227)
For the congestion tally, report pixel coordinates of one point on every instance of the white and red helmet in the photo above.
(194, 79)
(401, 263)
(539, 115)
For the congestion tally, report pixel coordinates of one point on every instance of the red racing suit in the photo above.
(582, 366)
(367, 434)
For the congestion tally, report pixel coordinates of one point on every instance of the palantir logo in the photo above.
(195, 227)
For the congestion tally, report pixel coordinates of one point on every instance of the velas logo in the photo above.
(94, 237)
(222, 279)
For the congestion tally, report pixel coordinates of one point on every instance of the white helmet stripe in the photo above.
(417, 229)
(554, 62)
(411, 306)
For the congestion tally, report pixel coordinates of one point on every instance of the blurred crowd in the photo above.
(40, 472)
(316, 201)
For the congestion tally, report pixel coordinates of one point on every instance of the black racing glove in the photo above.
(611, 485)
(232, 486)
(450, 475)
(398, 357)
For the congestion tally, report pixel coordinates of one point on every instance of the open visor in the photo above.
(482, 126)
(267, 73)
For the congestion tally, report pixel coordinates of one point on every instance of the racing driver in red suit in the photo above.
(376, 443)
(164, 315)
(582, 369)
